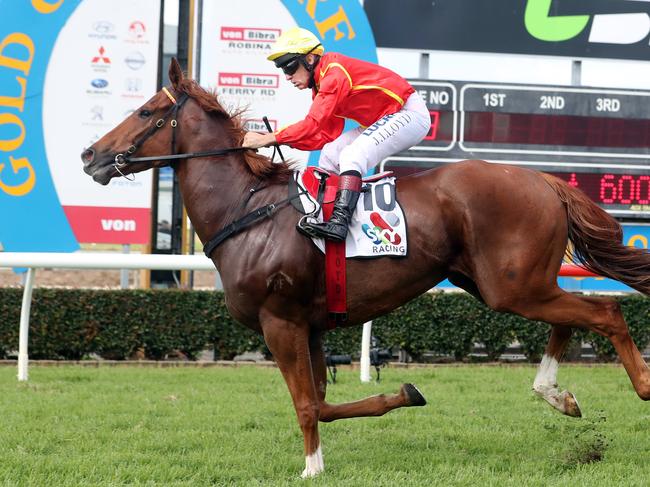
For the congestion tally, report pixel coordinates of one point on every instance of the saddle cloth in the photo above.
(378, 226)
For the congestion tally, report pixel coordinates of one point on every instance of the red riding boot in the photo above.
(344, 204)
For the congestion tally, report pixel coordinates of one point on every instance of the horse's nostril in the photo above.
(88, 155)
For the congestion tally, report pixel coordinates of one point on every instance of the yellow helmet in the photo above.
(295, 41)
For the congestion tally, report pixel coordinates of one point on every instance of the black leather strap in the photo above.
(246, 221)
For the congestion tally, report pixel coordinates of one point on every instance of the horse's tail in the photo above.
(597, 240)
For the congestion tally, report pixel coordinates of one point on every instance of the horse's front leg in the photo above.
(409, 395)
(288, 341)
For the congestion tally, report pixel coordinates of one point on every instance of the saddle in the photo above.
(315, 180)
(322, 185)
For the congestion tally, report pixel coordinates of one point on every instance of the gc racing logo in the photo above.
(382, 233)
(609, 28)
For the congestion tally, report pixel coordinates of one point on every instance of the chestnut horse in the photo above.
(497, 231)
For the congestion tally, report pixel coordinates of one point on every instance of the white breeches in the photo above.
(362, 149)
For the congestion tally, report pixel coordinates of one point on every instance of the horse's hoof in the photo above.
(309, 474)
(571, 407)
(313, 464)
(414, 396)
(311, 471)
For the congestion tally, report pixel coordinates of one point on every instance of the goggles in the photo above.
(291, 67)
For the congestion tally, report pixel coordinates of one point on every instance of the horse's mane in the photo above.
(260, 165)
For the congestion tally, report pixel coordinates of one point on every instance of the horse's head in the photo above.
(148, 131)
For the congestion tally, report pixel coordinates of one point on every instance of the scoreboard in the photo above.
(596, 139)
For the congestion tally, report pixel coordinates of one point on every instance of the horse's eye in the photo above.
(145, 114)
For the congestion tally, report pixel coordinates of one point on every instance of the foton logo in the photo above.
(614, 28)
(249, 80)
(118, 225)
(249, 34)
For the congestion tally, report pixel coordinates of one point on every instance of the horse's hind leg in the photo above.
(289, 344)
(545, 384)
(409, 395)
(601, 315)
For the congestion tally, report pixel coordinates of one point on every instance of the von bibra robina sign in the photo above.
(236, 41)
(70, 70)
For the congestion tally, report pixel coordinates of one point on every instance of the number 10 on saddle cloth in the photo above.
(378, 226)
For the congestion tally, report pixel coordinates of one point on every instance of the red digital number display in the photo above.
(614, 191)
(435, 123)
(611, 189)
(442, 128)
(556, 130)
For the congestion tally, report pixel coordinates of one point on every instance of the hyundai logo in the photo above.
(99, 83)
(103, 27)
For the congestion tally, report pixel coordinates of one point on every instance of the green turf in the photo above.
(236, 426)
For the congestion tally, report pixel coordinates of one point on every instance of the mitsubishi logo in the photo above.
(101, 58)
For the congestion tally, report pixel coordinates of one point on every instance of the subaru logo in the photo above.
(99, 83)
(103, 27)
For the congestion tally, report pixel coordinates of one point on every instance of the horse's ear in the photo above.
(175, 72)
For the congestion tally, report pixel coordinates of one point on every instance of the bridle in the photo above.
(124, 158)
(266, 211)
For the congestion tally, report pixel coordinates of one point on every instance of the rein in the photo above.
(267, 211)
(122, 159)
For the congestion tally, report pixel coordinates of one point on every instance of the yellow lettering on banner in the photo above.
(642, 239)
(16, 102)
(10, 145)
(45, 7)
(311, 7)
(332, 22)
(19, 38)
(23, 188)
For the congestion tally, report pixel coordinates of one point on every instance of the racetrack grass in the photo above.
(236, 426)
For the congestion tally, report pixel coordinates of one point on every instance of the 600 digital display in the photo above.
(596, 139)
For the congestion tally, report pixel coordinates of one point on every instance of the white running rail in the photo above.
(105, 260)
(94, 260)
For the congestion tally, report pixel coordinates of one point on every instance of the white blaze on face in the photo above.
(546, 374)
(313, 464)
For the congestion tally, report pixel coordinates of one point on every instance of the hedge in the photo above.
(119, 324)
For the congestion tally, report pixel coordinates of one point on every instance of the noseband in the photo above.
(124, 158)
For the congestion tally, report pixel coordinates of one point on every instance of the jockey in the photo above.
(391, 115)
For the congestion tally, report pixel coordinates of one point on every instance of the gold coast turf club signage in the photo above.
(28, 28)
(70, 70)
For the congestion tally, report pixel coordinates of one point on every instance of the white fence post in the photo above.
(365, 352)
(23, 356)
(92, 260)
(124, 273)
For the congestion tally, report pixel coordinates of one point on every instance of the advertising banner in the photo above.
(615, 29)
(70, 70)
(234, 44)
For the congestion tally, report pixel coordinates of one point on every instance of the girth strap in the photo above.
(246, 221)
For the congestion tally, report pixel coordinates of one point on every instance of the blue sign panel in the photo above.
(32, 217)
(633, 236)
